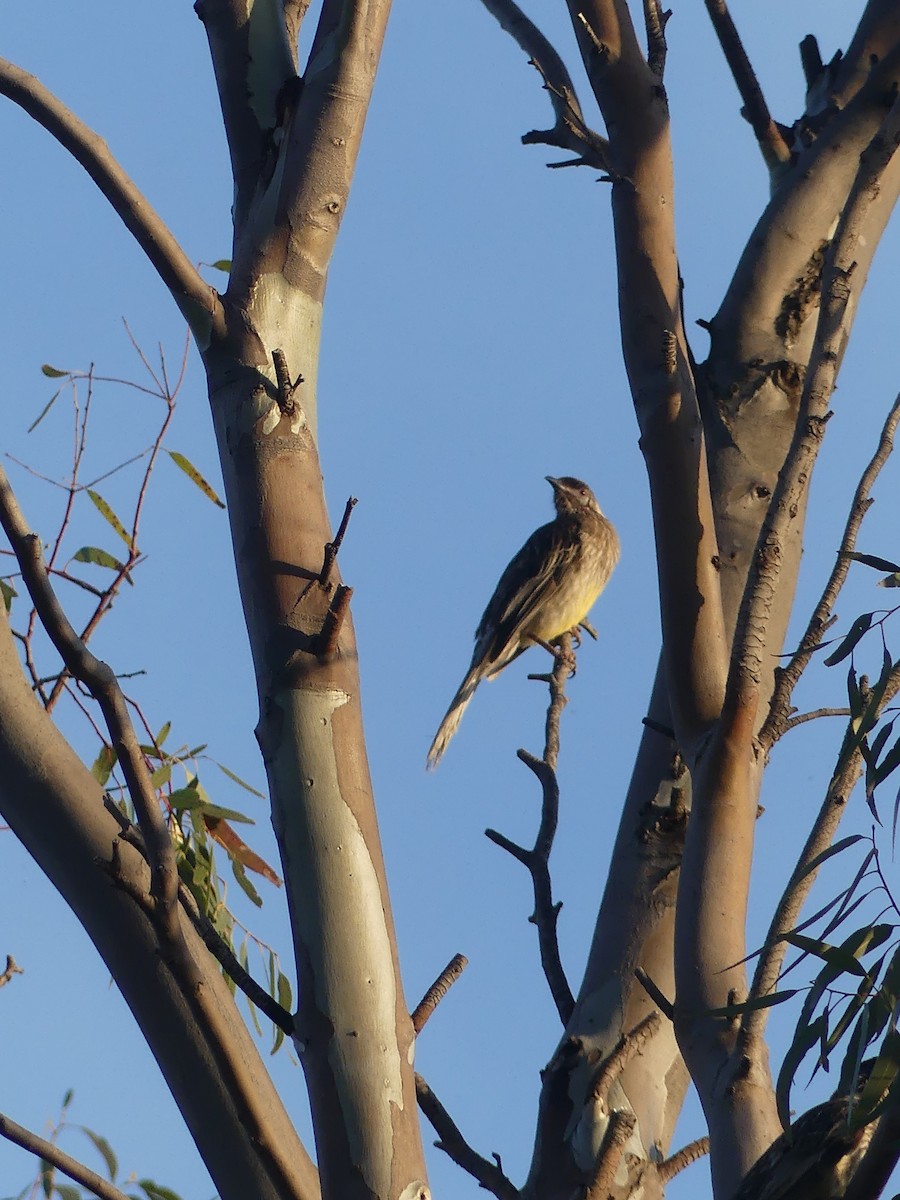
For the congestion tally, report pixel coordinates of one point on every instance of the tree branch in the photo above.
(775, 149)
(103, 686)
(198, 302)
(676, 1163)
(58, 1158)
(571, 131)
(438, 991)
(489, 1175)
(779, 720)
(537, 859)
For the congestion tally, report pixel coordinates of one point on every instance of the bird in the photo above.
(547, 590)
(818, 1156)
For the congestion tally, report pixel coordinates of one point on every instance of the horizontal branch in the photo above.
(198, 302)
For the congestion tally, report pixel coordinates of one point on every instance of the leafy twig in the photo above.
(58, 1158)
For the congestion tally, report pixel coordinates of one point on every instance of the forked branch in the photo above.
(571, 131)
(198, 302)
(537, 859)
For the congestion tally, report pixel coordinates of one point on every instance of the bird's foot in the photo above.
(588, 628)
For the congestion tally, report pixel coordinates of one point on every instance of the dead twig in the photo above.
(489, 1175)
(332, 548)
(537, 860)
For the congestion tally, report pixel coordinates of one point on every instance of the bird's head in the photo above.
(570, 495)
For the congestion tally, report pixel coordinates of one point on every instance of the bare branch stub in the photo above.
(334, 620)
(332, 548)
(437, 991)
(683, 1158)
(655, 21)
(489, 1175)
(775, 149)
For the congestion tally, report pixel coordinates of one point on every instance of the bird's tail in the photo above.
(450, 723)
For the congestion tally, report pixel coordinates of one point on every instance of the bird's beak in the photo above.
(553, 482)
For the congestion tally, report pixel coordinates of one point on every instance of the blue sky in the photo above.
(470, 349)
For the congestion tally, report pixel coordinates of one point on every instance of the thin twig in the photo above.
(814, 715)
(537, 860)
(334, 620)
(488, 1174)
(786, 678)
(775, 149)
(143, 222)
(438, 991)
(52, 1154)
(100, 680)
(332, 547)
(676, 1163)
(665, 1006)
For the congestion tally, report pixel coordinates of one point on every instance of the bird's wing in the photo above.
(531, 574)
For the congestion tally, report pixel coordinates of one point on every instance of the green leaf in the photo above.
(161, 775)
(8, 591)
(217, 813)
(805, 1037)
(186, 797)
(103, 1148)
(108, 515)
(46, 1175)
(888, 764)
(155, 1191)
(67, 1099)
(871, 560)
(240, 782)
(103, 765)
(163, 733)
(65, 1191)
(195, 477)
(735, 1010)
(222, 264)
(860, 626)
(37, 420)
(244, 883)
(101, 558)
(890, 581)
(837, 848)
(53, 372)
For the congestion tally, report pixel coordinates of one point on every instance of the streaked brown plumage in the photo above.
(547, 590)
(817, 1157)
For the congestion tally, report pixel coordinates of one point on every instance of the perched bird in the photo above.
(546, 591)
(817, 1157)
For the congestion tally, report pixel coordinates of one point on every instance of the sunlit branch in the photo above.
(197, 300)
